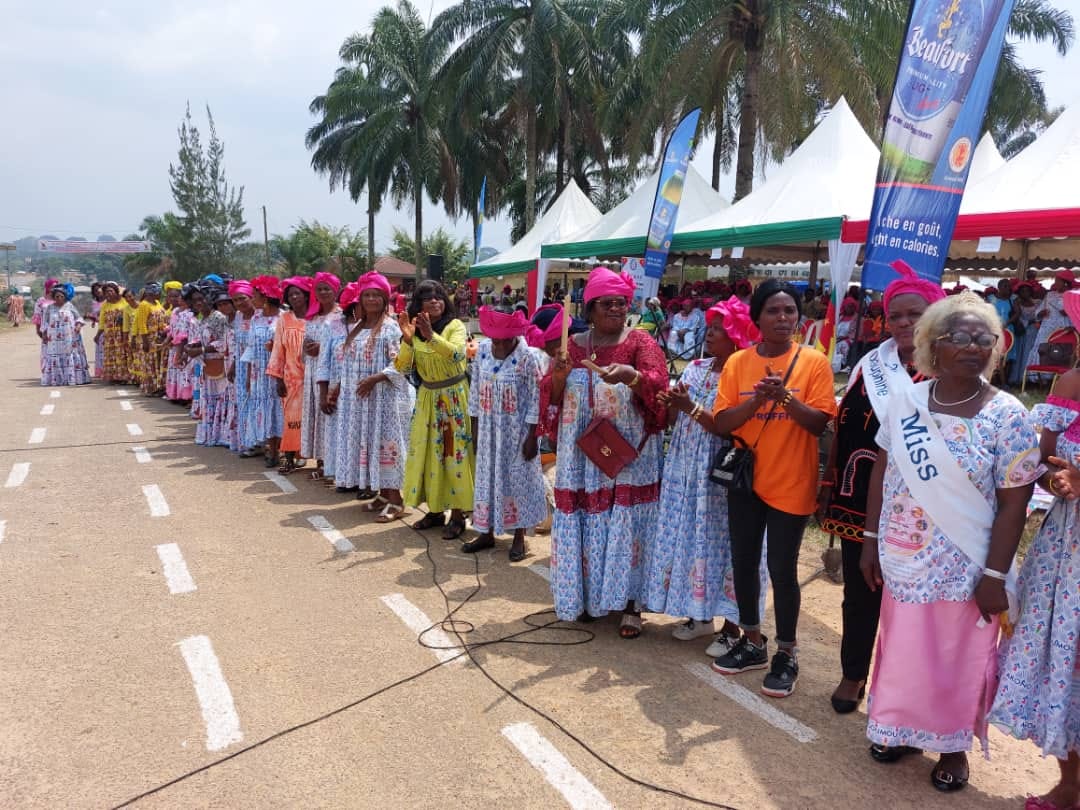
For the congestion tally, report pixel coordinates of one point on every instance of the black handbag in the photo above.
(733, 467)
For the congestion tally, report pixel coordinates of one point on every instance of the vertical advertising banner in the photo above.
(480, 220)
(669, 190)
(950, 54)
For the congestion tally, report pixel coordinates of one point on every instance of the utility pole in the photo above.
(266, 240)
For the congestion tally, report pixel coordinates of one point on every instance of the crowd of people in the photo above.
(927, 482)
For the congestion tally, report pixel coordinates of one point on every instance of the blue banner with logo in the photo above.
(950, 55)
(669, 189)
(480, 220)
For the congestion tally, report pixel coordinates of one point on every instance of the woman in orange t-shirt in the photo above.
(782, 420)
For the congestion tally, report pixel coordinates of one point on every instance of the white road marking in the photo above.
(175, 569)
(752, 702)
(280, 482)
(37, 436)
(134, 430)
(18, 474)
(158, 506)
(541, 571)
(332, 535)
(54, 395)
(3, 528)
(47, 409)
(142, 455)
(124, 393)
(215, 699)
(578, 791)
(125, 405)
(417, 621)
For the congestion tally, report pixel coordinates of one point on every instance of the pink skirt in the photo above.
(935, 673)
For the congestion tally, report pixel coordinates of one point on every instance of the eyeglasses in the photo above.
(983, 340)
(610, 303)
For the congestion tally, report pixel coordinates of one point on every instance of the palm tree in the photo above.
(382, 128)
(536, 45)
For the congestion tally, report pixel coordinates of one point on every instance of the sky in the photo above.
(93, 93)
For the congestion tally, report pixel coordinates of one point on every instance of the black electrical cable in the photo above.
(459, 628)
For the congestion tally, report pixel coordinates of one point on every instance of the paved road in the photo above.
(163, 607)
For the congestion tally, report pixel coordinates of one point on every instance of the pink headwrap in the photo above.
(1071, 300)
(736, 321)
(374, 281)
(269, 286)
(499, 325)
(537, 337)
(322, 278)
(350, 295)
(303, 282)
(606, 282)
(909, 283)
(241, 287)
(49, 284)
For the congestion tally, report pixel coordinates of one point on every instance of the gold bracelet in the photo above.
(695, 412)
(1052, 486)
(786, 400)
(637, 378)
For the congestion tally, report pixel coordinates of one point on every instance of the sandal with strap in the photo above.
(630, 626)
(390, 513)
(454, 529)
(430, 521)
(891, 753)
(375, 505)
(945, 780)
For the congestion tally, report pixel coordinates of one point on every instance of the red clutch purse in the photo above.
(604, 446)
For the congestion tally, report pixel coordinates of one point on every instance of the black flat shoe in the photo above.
(841, 706)
(894, 753)
(343, 490)
(517, 555)
(478, 543)
(430, 521)
(946, 781)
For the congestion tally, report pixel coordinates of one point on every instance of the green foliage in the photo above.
(201, 238)
(314, 246)
(457, 254)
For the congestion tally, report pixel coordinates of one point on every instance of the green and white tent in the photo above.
(570, 212)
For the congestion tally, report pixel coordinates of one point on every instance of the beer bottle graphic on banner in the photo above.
(938, 63)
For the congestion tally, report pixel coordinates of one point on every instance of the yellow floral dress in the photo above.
(439, 463)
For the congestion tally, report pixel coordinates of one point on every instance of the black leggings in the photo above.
(862, 607)
(748, 518)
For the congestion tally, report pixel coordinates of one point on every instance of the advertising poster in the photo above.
(949, 56)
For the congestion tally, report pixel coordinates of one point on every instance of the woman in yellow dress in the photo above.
(131, 369)
(439, 463)
(149, 323)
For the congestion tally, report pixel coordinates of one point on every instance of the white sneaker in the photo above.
(721, 645)
(690, 630)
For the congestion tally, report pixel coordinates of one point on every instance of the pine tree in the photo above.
(210, 222)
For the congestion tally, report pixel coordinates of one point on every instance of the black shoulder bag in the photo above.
(733, 466)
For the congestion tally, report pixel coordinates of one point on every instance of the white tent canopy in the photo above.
(1046, 175)
(570, 212)
(630, 219)
(986, 160)
(831, 174)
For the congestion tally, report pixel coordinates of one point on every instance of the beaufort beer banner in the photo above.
(950, 54)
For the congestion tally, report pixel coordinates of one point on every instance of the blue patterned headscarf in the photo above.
(67, 289)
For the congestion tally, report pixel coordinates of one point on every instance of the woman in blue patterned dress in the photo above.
(504, 404)
(322, 309)
(63, 354)
(264, 419)
(688, 568)
(601, 525)
(327, 370)
(1039, 695)
(240, 374)
(374, 403)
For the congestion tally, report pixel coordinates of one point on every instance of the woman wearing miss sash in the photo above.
(947, 504)
(880, 374)
(1039, 695)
